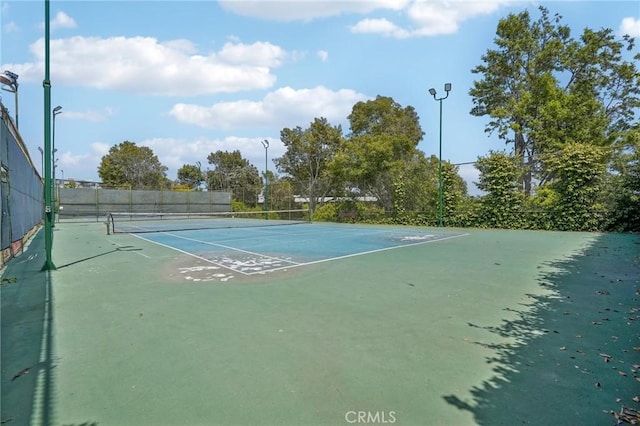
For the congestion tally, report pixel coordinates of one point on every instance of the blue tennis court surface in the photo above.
(251, 251)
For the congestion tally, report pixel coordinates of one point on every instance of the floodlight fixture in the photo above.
(432, 91)
(10, 79)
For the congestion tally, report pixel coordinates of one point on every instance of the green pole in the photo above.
(53, 171)
(440, 192)
(48, 209)
(265, 143)
(16, 101)
(432, 91)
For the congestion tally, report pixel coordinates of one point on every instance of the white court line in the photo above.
(231, 248)
(188, 253)
(357, 254)
(311, 235)
(293, 264)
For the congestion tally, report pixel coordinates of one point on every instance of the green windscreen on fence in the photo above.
(21, 188)
(99, 202)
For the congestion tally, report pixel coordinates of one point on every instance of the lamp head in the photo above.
(13, 77)
(6, 80)
(56, 110)
(447, 87)
(265, 143)
(432, 91)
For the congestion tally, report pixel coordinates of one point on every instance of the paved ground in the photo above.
(498, 327)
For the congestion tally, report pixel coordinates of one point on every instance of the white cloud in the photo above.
(306, 10)
(11, 27)
(174, 153)
(62, 20)
(82, 166)
(630, 26)
(379, 26)
(284, 107)
(89, 115)
(256, 54)
(425, 17)
(144, 65)
(323, 55)
(429, 18)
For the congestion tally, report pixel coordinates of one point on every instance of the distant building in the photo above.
(62, 183)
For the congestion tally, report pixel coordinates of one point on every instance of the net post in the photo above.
(110, 220)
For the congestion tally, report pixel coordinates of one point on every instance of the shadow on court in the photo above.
(117, 249)
(572, 354)
(27, 363)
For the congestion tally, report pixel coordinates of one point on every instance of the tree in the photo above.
(420, 189)
(383, 140)
(308, 153)
(578, 170)
(281, 193)
(454, 191)
(233, 172)
(623, 189)
(190, 175)
(499, 175)
(542, 89)
(384, 116)
(133, 166)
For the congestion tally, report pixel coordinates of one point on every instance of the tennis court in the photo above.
(321, 324)
(257, 250)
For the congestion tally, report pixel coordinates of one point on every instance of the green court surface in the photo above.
(491, 327)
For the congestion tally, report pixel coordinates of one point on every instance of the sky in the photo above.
(188, 78)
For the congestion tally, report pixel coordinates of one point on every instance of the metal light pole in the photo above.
(265, 143)
(41, 162)
(57, 110)
(46, 84)
(432, 91)
(11, 79)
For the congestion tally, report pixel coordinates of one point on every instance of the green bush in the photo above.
(327, 212)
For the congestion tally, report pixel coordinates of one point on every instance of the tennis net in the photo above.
(134, 223)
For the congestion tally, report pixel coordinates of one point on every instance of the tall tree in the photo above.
(190, 175)
(384, 116)
(233, 172)
(383, 140)
(134, 166)
(308, 152)
(542, 88)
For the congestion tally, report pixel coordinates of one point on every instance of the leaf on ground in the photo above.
(9, 280)
(20, 373)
